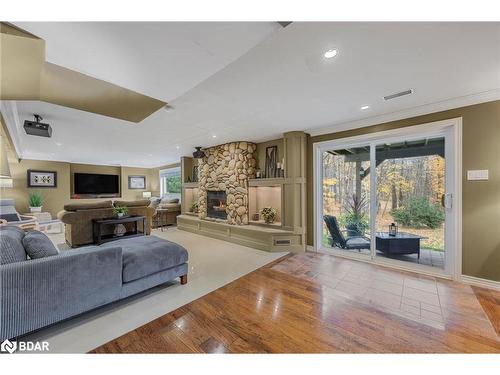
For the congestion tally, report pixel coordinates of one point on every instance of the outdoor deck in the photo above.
(428, 257)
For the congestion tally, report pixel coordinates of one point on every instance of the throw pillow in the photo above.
(11, 246)
(166, 200)
(38, 245)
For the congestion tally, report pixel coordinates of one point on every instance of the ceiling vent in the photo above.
(398, 94)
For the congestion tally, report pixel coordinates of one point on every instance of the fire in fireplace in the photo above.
(216, 204)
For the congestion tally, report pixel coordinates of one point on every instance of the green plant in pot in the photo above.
(35, 201)
(269, 214)
(354, 220)
(119, 211)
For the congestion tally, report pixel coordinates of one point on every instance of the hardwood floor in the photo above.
(315, 303)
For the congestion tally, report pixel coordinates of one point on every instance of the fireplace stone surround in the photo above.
(227, 168)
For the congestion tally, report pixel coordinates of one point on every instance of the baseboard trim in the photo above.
(477, 281)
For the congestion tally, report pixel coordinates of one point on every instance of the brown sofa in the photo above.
(78, 218)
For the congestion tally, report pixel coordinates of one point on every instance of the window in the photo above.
(170, 183)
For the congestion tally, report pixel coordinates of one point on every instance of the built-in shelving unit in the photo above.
(189, 189)
(286, 194)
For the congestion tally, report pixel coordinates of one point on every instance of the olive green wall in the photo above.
(56, 198)
(155, 178)
(53, 198)
(480, 199)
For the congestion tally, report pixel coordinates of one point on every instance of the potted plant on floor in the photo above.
(354, 220)
(35, 201)
(119, 211)
(269, 214)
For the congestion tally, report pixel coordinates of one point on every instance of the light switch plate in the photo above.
(478, 175)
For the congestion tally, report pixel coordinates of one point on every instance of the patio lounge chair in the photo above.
(337, 238)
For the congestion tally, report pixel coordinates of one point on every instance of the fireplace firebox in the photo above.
(216, 204)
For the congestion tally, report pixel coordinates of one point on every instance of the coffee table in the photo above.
(401, 243)
(100, 237)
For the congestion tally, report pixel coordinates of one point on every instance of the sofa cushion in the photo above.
(11, 245)
(88, 206)
(18, 232)
(38, 245)
(137, 203)
(146, 255)
(170, 200)
(171, 206)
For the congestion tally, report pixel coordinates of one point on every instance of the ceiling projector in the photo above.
(37, 128)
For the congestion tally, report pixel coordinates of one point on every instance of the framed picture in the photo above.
(271, 161)
(137, 182)
(42, 179)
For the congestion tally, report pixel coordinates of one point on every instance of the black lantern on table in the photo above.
(393, 230)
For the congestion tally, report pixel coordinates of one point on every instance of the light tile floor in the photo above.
(427, 300)
(212, 264)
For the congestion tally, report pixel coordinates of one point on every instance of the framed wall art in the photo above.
(137, 182)
(42, 179)
(271, 161)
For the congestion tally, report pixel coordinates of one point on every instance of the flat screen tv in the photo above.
(90, 183)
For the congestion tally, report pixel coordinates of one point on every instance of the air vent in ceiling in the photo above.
(398, 94)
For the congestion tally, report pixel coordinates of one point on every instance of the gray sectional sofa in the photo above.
(51, 287)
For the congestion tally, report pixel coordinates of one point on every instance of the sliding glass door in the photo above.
(346, 199)
(388, 198)
(410, 217)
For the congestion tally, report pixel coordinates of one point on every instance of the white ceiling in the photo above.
(159, 59)
(283, 83)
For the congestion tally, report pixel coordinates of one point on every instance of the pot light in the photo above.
(365, 107)
(214, 136)
(177, 147)
(58, 144)
(331, 53)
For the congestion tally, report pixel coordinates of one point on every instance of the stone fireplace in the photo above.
(216, 204)
(226, 168)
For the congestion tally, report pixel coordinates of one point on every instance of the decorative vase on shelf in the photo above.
(269, 214)
(120, 230)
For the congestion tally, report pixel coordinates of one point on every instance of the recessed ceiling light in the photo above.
(331, 53)
(58, 144)
(214, 136)
(365, 107)
(177, 147)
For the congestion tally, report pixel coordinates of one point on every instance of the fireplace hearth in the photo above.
(216, 204)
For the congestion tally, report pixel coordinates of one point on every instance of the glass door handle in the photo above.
(447, 200)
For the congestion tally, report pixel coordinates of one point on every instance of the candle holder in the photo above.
(393, 230)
